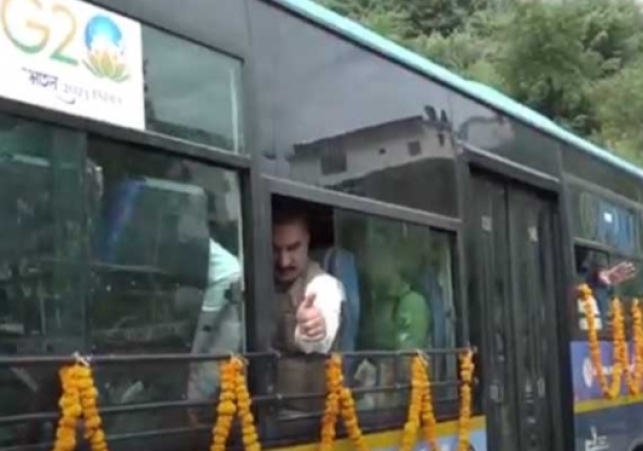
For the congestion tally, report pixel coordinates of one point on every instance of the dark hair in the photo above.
(287, 211)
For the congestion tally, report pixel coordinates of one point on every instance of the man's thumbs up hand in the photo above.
(306, 308)
(310, 320)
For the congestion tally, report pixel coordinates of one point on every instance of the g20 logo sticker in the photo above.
(104, 44)
(105, 49)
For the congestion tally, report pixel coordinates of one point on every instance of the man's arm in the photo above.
(224, 270)
(329, 295)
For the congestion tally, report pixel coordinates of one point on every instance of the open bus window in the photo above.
(589, 263)
(397, 295)
(608, 276)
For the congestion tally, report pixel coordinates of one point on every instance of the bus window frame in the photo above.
(576, 183)
(373, 420)
(179, 149)
(612, 255)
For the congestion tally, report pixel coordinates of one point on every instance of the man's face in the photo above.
(290, 250)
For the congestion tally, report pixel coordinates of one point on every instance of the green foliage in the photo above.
(385, 17)
(544, 64)
(440, 16)
(579, 62)
(619, 104)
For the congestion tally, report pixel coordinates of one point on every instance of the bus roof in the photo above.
(477, 91)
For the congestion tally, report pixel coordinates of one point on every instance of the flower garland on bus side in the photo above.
(234, 399)
(612, 389)
(339, 400)
(620, 367)
(637, 334)
(467, 368)
(587, 301)
(79, 398)
(421, 405)
(420, 408)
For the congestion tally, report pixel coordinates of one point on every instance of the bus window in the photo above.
(608, 276)
(106, 248)
(405, 299)
(179, 102)
(396, 295)
(166, 275)
(41, 216)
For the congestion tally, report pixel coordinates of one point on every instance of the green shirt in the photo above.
(399, 319)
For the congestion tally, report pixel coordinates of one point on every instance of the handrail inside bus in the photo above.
(477, 91)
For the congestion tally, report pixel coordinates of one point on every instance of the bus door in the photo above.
(514, 286)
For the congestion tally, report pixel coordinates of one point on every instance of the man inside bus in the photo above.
(219, 327)
(396, 318)
(307, 312)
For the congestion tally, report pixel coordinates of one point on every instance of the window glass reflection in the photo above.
(42, 198)
(192, 92)
(106, 248)
(167, 268)
(348, 119)
(405, 298)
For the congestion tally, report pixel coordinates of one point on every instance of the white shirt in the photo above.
(224, 269)
(329, 295)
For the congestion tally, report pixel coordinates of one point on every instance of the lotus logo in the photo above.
(105, 49)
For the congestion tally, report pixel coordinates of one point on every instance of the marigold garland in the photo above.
(226, 408)
(619, 345)
(412, 425)
(234, 399)
(339, 399)
(89, 402)
(349, 416)
(637, 334)
(79, 398)
(334, 380)
(420, 409)
(466, 381)
(428, 415)
(587, 301)
(249, 431)
(70, 408)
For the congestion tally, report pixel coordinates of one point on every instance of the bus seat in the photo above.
(433, 294)
(341, 264)
(442, 332)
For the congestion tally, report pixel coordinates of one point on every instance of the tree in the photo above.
(544, 64)
(409, 19)
(440, 16)
(619, 104)
(385, 17)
